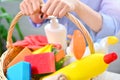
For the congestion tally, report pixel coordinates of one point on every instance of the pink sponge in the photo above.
(42, 63)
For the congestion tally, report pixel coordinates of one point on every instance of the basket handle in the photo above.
(68, 15)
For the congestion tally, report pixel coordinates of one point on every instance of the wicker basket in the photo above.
(12, 51)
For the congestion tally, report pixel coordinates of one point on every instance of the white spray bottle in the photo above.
(56, 33)
(103, 45)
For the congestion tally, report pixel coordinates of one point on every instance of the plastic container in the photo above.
(56, 33)
(103, 45)
(87, 67)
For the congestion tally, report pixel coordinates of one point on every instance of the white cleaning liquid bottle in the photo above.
(56, 33)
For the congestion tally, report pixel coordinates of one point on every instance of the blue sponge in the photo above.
(19, 71)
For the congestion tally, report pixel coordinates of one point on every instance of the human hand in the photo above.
(59, 7)
(29, 7)
(32, 8)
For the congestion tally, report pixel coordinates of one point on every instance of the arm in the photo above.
(105, 22)
(109, 10)
(59, 8)
(95, 20)
(92, 18)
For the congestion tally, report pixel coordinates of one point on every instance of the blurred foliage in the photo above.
(4, 29)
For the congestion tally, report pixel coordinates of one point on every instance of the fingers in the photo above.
(64, 11)
(56, 8)
(23, 8)
(46, 6)
(29, 7)
(36, 6)
(52, 7)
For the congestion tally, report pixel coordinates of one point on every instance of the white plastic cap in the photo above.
(54, 22)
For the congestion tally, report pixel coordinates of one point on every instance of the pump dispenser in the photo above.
(56, 33)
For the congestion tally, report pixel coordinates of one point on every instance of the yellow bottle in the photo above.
(86, 68)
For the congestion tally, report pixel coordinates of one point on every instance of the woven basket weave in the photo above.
(12, 51)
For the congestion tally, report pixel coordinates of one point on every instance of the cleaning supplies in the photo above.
(46, 48)
(19, 71)
(41, 63)
(103, 45)
(56, 33)
(77, 45)
(87, 67)
(20, 57)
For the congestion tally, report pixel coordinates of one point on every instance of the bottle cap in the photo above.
(108, 58)
(112, 40)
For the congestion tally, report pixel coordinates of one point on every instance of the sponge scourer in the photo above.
(20, 71)
(41, 63)
(20, 56)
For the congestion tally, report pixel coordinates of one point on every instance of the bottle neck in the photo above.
(54, 23)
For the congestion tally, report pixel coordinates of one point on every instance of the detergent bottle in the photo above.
(87, 67)
(102, 45)
(105, 43)
(56, 33)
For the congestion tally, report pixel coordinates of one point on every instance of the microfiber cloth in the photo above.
(33, 42)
